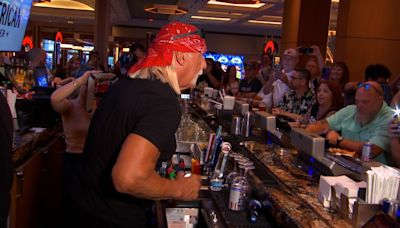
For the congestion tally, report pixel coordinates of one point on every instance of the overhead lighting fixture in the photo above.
(88, 48)
(69, 46)
(220, 13)
(211, 18)
(125, 49)
(164, 9)
(336, 1)
(64, 4)
(265, 22)
(222, 3)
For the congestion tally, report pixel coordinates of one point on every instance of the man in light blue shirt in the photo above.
(367, 120)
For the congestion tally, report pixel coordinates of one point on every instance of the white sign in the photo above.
(14, 15)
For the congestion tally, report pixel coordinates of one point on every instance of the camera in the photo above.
(305, 50)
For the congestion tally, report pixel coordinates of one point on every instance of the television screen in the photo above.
(40, 75)
(227, 60)
(13, 20)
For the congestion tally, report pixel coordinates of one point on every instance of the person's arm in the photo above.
(59, 99)
(318, 55)
(134, 173)
(319, 127)
(351, 145)
(394, 134)
(395, 148)
(279, 111)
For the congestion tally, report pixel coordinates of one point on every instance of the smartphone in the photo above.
(277, 65)
(185, 96)
(305, 50)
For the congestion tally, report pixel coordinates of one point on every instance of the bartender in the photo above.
(367, 120)
(133, 130)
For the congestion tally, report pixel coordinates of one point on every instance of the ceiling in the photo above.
(131, 13)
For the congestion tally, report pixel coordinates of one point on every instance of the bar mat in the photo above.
(236, 219)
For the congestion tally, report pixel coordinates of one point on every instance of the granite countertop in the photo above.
(28, 144)
(295, 200)
(292, 200)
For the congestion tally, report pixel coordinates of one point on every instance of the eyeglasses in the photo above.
(368, 86)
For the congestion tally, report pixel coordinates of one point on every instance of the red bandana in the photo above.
(175, 36)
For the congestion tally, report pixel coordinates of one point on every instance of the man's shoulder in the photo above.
(386, 112)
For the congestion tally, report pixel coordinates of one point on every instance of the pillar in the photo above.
(102, 29)
(368, 33)
(305, 23)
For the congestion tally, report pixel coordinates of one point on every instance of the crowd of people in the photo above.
(321, 98)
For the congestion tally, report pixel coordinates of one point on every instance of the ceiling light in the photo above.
(66, 46)
(211, 18)
(164, 9)
(64, 4)
(220, 13)
(336, 1)
(265, 22)
(255, 6)
(125, 49)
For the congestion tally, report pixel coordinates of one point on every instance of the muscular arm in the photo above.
(134, 173)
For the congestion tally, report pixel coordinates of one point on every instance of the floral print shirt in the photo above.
(291, 103)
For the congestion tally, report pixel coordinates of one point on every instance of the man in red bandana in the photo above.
(133, 131)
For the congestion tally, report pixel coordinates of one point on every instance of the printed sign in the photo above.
(14, 15)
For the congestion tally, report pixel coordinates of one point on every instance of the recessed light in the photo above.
(211, 18)
(255, 6)
(265, 22)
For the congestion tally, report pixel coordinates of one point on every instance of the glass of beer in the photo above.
(195, 166)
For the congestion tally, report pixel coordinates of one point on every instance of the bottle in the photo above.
(366, 152)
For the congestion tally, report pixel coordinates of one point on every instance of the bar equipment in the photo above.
(236, 125)
(247, 124)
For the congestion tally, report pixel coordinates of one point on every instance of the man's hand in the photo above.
(190, 186)
(394, 129)
(283, 77)
(316, 50)
(332, 137)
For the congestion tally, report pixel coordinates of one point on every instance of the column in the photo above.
(368, 33)
(305, 23)
(102, 29)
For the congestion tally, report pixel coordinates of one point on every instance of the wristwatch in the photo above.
(339, 139)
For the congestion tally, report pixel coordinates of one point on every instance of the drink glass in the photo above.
(195, 166)
(234, 173)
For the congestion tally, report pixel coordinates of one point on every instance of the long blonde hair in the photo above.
(166, 74)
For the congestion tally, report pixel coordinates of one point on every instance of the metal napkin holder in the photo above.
(362, 211)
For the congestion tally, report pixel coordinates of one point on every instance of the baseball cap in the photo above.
(291, 52)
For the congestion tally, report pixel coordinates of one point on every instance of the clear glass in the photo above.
(234, 173)
(244, 184)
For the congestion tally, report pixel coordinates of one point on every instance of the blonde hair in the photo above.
(166, 74)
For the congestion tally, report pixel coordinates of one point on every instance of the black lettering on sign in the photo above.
(10, 15)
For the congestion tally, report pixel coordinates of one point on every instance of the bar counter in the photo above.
(286, 192)
(36, 190)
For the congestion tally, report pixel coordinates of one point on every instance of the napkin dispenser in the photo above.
(241, 107)
(265, 120)
(307, 142)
